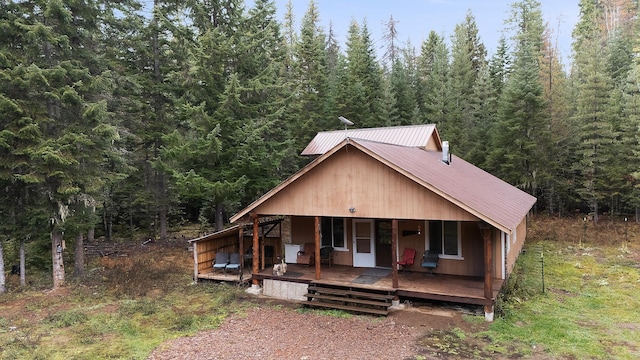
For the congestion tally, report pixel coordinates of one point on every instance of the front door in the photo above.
(363, 244)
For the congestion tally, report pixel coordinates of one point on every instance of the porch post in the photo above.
(195, 261)
(394, 255)
(316, 239)
(262, 264)
(241, 249)
(485, 230)
(256, 242)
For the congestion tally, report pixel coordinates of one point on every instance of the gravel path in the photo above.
(282, 333)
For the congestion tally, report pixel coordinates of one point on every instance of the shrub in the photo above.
(67, 318)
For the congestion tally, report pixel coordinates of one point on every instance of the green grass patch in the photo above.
(326, 312)
(587, 311)
(93, 322)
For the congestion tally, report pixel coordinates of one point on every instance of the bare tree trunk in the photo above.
(3, 281)
(56, 255)
(91, 233)
(163, 210)
(109, 229)
(78, 265)
(23, 276)
(132, 230)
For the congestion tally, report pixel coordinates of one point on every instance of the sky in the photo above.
(416, 18)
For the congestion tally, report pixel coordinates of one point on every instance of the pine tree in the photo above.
(483, 112)
(559, 158)
(521, 138)
(433, 74)
(308, 113)
(55, 95)
(631, 138)
(468, 56)
(405, 103)
(595, 131)
(361, 85)
(122, 41)
(335, 63)
(500, 66)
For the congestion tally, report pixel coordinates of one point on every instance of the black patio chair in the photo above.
(429, 260)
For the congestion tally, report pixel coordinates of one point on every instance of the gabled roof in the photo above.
(412, 135)
(467, 186)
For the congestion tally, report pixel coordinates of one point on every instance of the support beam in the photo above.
(394, 253)
(486, 232)
(316, 239)
(195, 262)
(263, 263)
(256, 254)
(241, 248)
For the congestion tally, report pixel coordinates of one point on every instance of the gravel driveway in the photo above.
(283, 333)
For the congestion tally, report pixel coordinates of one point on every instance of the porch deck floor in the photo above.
(229, 276)
(451, 288)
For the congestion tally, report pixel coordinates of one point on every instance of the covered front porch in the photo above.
(411, 285)
(480, 290)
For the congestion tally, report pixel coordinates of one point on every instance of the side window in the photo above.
(332, 232)
(435, 236)
(450, 238)
(444, 238)
(338, 233)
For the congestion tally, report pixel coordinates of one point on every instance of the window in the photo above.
(444, 238)
(332, 233)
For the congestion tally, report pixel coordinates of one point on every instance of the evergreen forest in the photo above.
(122, 119)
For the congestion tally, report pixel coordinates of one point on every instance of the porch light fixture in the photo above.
(412, 232)
(352, 210)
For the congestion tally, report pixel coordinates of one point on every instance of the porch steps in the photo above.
(369, 301)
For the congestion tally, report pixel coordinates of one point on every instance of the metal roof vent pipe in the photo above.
(446, 157)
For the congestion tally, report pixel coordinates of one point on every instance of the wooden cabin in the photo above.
(372, 193)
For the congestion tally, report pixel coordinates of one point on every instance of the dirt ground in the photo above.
(279, 329)
(276, 329)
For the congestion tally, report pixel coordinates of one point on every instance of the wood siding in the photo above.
(371, 188)
(472, 263)
(206, 249)
(516, 247)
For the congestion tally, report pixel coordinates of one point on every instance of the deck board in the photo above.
(229, 276)
(461, 289)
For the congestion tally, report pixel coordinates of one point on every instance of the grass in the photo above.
(115, 314)
(589, 307)
(129, 306)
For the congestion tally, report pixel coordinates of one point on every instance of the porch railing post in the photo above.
(256, 254)
(316, 239)
(485, 230)
(241, 248)
(394, 255)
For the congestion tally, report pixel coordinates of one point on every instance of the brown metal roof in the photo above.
(412, 135)
(475, 190)
(465, 185)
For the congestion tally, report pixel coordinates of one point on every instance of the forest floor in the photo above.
(144, 305)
